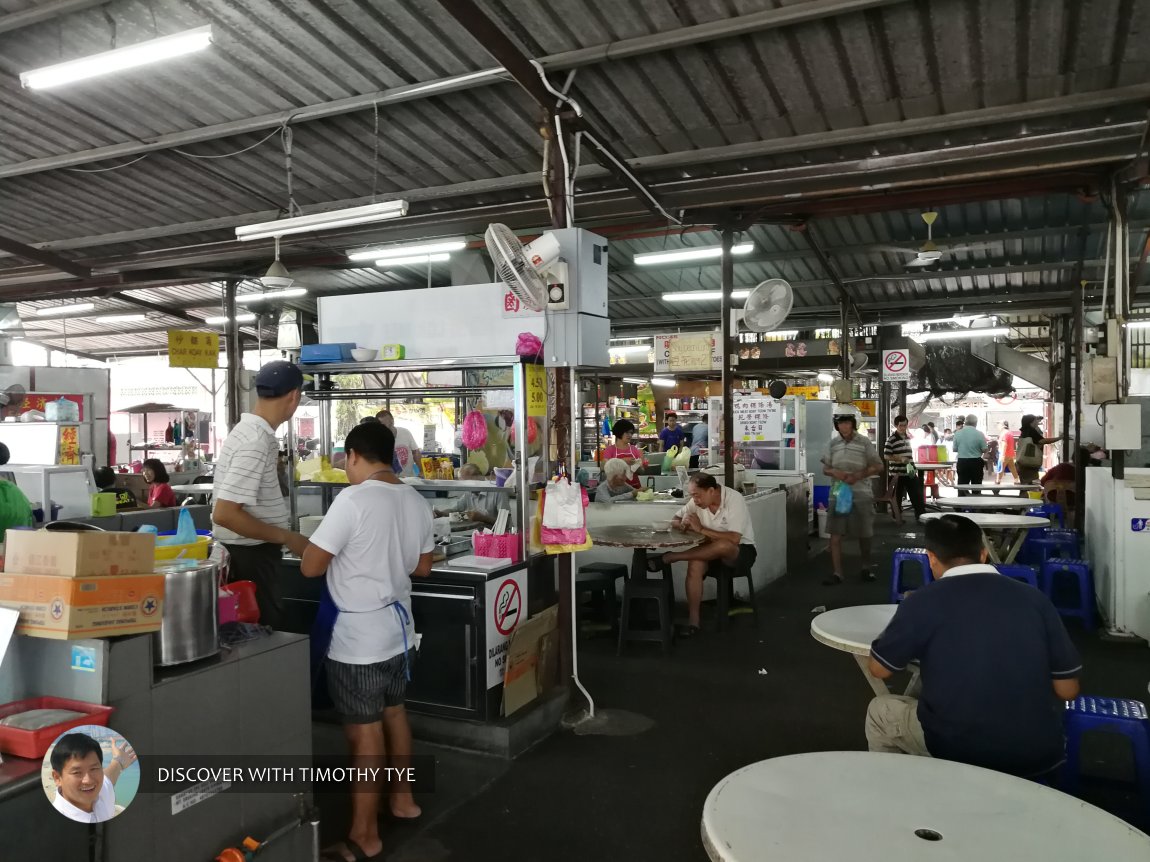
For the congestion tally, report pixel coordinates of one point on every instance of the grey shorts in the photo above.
(856, 524)
(361, 691)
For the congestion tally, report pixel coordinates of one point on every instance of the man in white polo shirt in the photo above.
(251, 516)
(720, 514)
(85, 790)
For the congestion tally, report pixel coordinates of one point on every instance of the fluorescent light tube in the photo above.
(120, 318)
(702, 295)
(220, 321)
(60, 310)
(413, 259)
(1138, 324)
(641, 381)
(662, 381)
(384, 252)
(324, 221)
(118, 59)
(271, 294)
(825, 378)
(630, 348)
(961, 333)
(704, 253)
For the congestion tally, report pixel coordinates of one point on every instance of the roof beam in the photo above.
(47, 258)
(44, 12)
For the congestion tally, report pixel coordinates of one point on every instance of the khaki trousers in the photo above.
(892, 726)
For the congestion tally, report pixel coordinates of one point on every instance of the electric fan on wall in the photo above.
(528, 270)
(768, 305)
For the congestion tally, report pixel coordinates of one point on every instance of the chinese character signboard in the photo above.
(514, 307)
(39, 401)
(809, 392)
(69, 445)
(193, 349)
(536, 390)
(757, 420)
(691, 351)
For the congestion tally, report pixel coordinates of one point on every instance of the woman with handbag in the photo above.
(1029, 451)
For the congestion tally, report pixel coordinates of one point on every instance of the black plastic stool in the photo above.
(638, 586)
(725, 576)
(600, 578)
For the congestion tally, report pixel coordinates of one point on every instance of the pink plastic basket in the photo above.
(505, 546)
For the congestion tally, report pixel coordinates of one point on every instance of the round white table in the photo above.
(853, 630)
(194, 490)
(860, 806)
(1022, 489)
(987, 504)
(929, 465)
(1004, 533)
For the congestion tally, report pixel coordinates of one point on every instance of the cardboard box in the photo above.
(528, 663)
(67, 608)
(79, 555)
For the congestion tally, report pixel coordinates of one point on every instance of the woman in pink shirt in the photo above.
(623, 449)
(160, 493)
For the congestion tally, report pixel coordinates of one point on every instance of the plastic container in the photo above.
(197, 551)
(501, 474)
(502, 547)
(34, 744)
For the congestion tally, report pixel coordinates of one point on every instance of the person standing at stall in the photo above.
(160, 493)
(673, 434)
(1031, 443)
(407, 452)
(250, 516)
(969, 444)
(625, 450)
(375, 538)
(898, 456)
(1007, 446)
(853, 459)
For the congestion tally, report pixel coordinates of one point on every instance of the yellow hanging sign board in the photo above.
(809, 392)
(536, 390)
(193, 349)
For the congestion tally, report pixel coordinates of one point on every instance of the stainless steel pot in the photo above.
(190, 627)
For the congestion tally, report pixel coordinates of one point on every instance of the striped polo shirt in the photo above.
(897, 446)
(247, 473)
(853, 456)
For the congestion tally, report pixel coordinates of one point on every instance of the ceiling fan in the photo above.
(929, 253)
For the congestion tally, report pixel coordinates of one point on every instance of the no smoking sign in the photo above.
(895, 366)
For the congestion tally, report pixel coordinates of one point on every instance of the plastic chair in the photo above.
(902, 556)
(1047, 542)
(1055, 571)
(1049, 510)
(600, 578)
(725, 591)
(662, 592)
(1127, 717)
(1018, 572)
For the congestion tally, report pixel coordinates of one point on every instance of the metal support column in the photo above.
(1066, 322)
(232, 350)
(844, 337)
(1079, 463)
(902, 397)
(727, 286)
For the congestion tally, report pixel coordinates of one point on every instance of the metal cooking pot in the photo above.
(190, 627)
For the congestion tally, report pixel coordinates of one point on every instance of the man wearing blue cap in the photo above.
(251, 516)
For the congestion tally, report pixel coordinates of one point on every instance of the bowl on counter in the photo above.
(662, 526)
(363, 354)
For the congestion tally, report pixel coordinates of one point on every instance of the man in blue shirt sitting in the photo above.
(996, 664)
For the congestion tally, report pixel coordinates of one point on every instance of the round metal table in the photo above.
(1004, 533)
(862, 806)
(987, 504)
(853, 630)
(996, 488)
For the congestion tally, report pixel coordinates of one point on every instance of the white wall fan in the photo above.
(533, 272)
(929, 253)
(768, 305)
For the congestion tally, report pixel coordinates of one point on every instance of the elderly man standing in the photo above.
(251, 516)
(997, 664)
(720, 514)
(969, 444)
(853, 459)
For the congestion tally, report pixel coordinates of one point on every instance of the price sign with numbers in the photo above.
(536, 390)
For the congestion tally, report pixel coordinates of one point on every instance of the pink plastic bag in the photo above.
(474, 435)
(528, 344)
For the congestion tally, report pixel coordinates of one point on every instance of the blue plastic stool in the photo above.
(1112, 715)
(1049, 510)
(1042, 544)
(1083, 609)
(1027, 574)
(901, 557)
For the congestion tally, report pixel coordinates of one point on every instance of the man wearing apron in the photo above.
(375, 537)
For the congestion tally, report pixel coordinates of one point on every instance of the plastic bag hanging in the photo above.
(474, 435)
(563, 521)
(844, 498)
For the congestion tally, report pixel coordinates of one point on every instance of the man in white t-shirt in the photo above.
(720, 514)
(376, 536)
(406, 449)
(85, 790)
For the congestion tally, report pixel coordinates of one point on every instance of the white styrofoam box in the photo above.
(1123, 428)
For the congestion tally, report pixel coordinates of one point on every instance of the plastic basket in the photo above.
(35, 743)
(501, 547)
(198, 550)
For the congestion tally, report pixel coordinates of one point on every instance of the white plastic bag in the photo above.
(563, 509)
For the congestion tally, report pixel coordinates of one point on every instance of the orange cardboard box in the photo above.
(79, 555)
(66, 608)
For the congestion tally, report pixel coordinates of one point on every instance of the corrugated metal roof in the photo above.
(707, 123)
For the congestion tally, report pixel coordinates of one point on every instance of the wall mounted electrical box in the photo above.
(1122, 426)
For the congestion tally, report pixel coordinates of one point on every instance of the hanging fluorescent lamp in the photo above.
(271, 294)
(120, 318)
(704, 253)
(630, 348)
(413, 259)
(950, 334)
(662, 381)
(324, 221)
(61, 310)
(1138, 324)
(119, 59)
(385, 252)
(702, 295)
(638, 381)
(220, 321)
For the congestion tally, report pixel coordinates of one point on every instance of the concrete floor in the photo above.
(640, 797)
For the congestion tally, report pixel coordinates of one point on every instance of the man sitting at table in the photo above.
(720, 514)
(996, 664)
